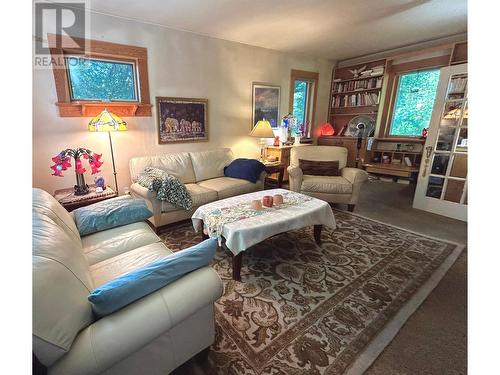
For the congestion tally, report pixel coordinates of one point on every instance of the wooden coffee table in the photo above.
(240, 227)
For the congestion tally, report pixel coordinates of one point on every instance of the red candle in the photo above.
(267, 201)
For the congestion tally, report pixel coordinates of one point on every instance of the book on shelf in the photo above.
(356, 100)
(366, 84)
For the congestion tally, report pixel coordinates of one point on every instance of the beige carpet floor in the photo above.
(433, 341)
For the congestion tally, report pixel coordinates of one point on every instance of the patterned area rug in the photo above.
(304, 309)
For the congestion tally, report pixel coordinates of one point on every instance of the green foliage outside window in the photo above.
(414, 102)
(299, 101)
(92, 79)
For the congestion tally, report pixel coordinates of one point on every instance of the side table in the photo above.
(276, 168)
(71, 202)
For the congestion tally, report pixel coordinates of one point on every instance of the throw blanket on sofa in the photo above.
(167, 187)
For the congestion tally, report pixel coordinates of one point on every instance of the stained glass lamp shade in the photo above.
(108, 122)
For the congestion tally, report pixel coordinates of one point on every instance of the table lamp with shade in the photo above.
(262, 130)
(108, 122)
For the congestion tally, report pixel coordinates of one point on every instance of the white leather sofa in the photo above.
(203, 174)
(334, 189)
(153, 335)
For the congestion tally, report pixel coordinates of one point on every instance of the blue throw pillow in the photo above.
(246, 169)
(128, 288)
(110, 213)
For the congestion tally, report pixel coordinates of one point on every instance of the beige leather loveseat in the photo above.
(335, 189)
(152, 335)
(203, 174)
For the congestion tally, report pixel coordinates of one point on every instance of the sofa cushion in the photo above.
(125, 289)
(210, 164)
(199, 194)
(111, 268)
(320, 153)
(178, 165)
(111, 213)
(228, 187)
(103, 245)
(326, 184)
(319, 168)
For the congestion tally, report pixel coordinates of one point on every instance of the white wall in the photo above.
(180, 64)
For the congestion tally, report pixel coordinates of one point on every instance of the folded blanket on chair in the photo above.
(167, 187)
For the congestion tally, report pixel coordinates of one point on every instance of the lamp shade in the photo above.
(262, 129)
(327, 129)
(107, 122)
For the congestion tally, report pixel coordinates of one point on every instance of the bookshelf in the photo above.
(352, 96)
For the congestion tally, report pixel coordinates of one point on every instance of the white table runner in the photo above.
(242, 234)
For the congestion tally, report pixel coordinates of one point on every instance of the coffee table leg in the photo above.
(317, 233)
(203, 235)
(237, 266)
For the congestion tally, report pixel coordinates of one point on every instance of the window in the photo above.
(415, 97)
(101, 80)
(302, 98)
(109, 75)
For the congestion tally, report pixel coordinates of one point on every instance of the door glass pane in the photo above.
(459, 166)
(435, 187)
(452, 112)
(300, 101)
(462, 140)
(466, 115)
(456, 88)
(454, 190)
(445, 138)
(440, 163)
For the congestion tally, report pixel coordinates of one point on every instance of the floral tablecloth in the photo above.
(243, 227)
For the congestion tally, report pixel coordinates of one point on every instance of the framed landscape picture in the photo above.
(266, 103)
(182, 119)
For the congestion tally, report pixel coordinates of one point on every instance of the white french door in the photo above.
(442, 180)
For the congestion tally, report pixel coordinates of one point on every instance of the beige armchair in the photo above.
(334, 189)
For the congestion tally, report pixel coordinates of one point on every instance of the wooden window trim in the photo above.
(393, 80)
(306, 76)
(104, 50)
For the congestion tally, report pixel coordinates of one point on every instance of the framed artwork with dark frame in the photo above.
(182, 119)
(266, 103)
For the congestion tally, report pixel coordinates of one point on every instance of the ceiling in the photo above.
(334, 29)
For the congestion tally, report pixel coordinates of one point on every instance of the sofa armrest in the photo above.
(295, 178)
(261, 180)
(354, 175)
(118, 335)
(153, 204)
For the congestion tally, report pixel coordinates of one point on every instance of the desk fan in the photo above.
(360, 126)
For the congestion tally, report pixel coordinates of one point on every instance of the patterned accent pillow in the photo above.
(167, 187)
(319, 168)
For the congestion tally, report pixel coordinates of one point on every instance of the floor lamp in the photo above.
(108, 122)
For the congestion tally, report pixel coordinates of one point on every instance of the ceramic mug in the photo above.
(267, 201)
(278, 199)
(256, 204)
